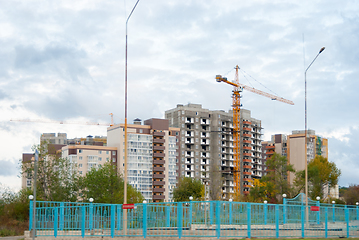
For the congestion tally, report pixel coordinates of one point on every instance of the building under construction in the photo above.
(206, 148)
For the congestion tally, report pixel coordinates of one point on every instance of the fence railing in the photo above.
(195, 219)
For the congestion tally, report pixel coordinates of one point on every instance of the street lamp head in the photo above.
(31, 197)
(190, 198)
(333, 202)
(321, 50)
(284, 195)
(230, 200)
(318, 198)
(357, 203)
(144, 201)
(265, 201)
(91, 200)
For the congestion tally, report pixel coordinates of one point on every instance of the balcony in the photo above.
(158, 140)
(247, 160)
(157, 154)
(247, 135)
(247, 129)
(160, 169)
(155, 176)
(247, 154)
(155, 147)
(158, 133)
(247, 141)
(247, 166)
(247, 122)
(159, 161)
(247, 148)
(158, 190)
(158, 183)
(158, 197)
(247, 173)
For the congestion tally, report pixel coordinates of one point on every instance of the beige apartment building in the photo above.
(152, 156)
(87, 157)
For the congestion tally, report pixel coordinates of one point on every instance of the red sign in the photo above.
(314, 208)
(128, 206)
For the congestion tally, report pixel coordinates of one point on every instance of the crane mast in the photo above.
(236, 107)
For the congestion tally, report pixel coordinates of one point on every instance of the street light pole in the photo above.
(305, 138)
(34, 202)
(125, 162)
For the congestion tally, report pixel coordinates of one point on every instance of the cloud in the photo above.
(8, 168)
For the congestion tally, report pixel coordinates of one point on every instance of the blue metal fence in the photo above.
(195, 219)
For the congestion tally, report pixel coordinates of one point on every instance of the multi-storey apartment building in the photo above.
(296, 149)
(206, 145)
(293, 147)
(152, 156)
(53, 138)
(87, 157)
(277, 144)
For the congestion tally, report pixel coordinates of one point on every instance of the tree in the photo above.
(351, 195)
(57, 178)
(321, 173)
(187, 187)
(275, 182)
(105, 185)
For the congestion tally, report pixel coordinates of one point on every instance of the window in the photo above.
(80, 158)
(106, 152)
(80, 172)
(113, 153)
(80, 165)
(80, 150)
(113, 159)
(100, 158)
(107, 159)
(100, 152)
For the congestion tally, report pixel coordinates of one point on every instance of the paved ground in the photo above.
(12, 237)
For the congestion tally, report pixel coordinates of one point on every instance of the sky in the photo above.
(65, 61)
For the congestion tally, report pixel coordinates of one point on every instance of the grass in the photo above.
(12, 227)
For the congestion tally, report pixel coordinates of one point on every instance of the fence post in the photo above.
(357, 212)
(211, 213)
(144, 214)
(190, 214)
(168, 216)
(83, 219)
(91, 216)
(113, 220)
(30, 215)
(333, 212)
(62, 216)
(302, 219)
(318, 214)
(284, 209)
(56, 221)
(218, 218)
(249, 220)
(119, 217)
(347, 219)
(230, 212)
(265, 212)
(179, 219)
(326, 222)
(277, 221)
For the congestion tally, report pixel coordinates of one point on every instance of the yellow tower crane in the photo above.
(236, 105)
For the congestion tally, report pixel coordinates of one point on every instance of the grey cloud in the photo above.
(58, 58)
(346, 156)
(8, 168)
